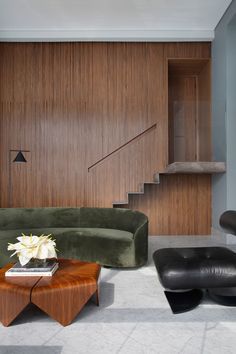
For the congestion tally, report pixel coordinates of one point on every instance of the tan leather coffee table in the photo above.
(61, 296)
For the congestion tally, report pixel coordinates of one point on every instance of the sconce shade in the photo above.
(19, 157)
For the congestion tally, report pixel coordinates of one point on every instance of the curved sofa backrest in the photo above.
(112, 218)
(17, 218)
(121, 219)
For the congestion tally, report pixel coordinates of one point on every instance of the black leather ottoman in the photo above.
(185, 272)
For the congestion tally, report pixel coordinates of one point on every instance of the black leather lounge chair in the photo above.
(186, 272)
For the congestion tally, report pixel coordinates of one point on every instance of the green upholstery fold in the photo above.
(113, 237)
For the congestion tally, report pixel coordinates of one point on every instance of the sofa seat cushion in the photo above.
(82, 243)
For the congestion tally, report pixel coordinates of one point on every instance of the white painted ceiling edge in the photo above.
(110, 20)
(105, 35)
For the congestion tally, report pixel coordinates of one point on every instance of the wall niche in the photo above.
(189, 110)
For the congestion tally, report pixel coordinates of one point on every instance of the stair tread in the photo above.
(135, 192)
(195, 167)
(141, 192)
(120, 202)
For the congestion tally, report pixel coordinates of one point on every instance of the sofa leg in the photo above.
(223, 296)
(183, 301)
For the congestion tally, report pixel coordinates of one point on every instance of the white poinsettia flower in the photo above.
(46, 248)
(32, 246)
(29, 241)
(15, 246)
(26, 254)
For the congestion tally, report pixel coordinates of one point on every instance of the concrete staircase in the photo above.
(140, 191)
(195, 167)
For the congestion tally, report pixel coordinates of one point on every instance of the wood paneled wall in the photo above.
(179, 205)
(72, 104)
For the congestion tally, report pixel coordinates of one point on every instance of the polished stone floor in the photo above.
(133, 317)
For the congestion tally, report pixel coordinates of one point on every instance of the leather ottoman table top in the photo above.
(198, 267)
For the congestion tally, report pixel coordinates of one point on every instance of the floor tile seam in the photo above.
(127, 337)
(49, 339)
(203, 339)
(185, 344)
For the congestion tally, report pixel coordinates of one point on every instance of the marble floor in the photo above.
(133, 317)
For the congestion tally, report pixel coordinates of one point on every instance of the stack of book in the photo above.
(47, 269)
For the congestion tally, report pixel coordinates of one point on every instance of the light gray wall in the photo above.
(231, 114)
(224, 112)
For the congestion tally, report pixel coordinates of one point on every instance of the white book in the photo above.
(47, 265)
(31, 272)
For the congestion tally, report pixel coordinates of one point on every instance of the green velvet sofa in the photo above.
(112, 237)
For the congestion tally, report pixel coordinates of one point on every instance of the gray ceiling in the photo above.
(110, 19)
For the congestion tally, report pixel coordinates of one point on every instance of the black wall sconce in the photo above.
(20, 156)
(19, 163)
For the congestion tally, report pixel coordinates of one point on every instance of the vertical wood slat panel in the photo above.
(72, 103)
(19, 180)
(187, 50)
(179, 205)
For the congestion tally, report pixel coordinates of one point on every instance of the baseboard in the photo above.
(218, 236)
(221, 237)
(231, 239)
